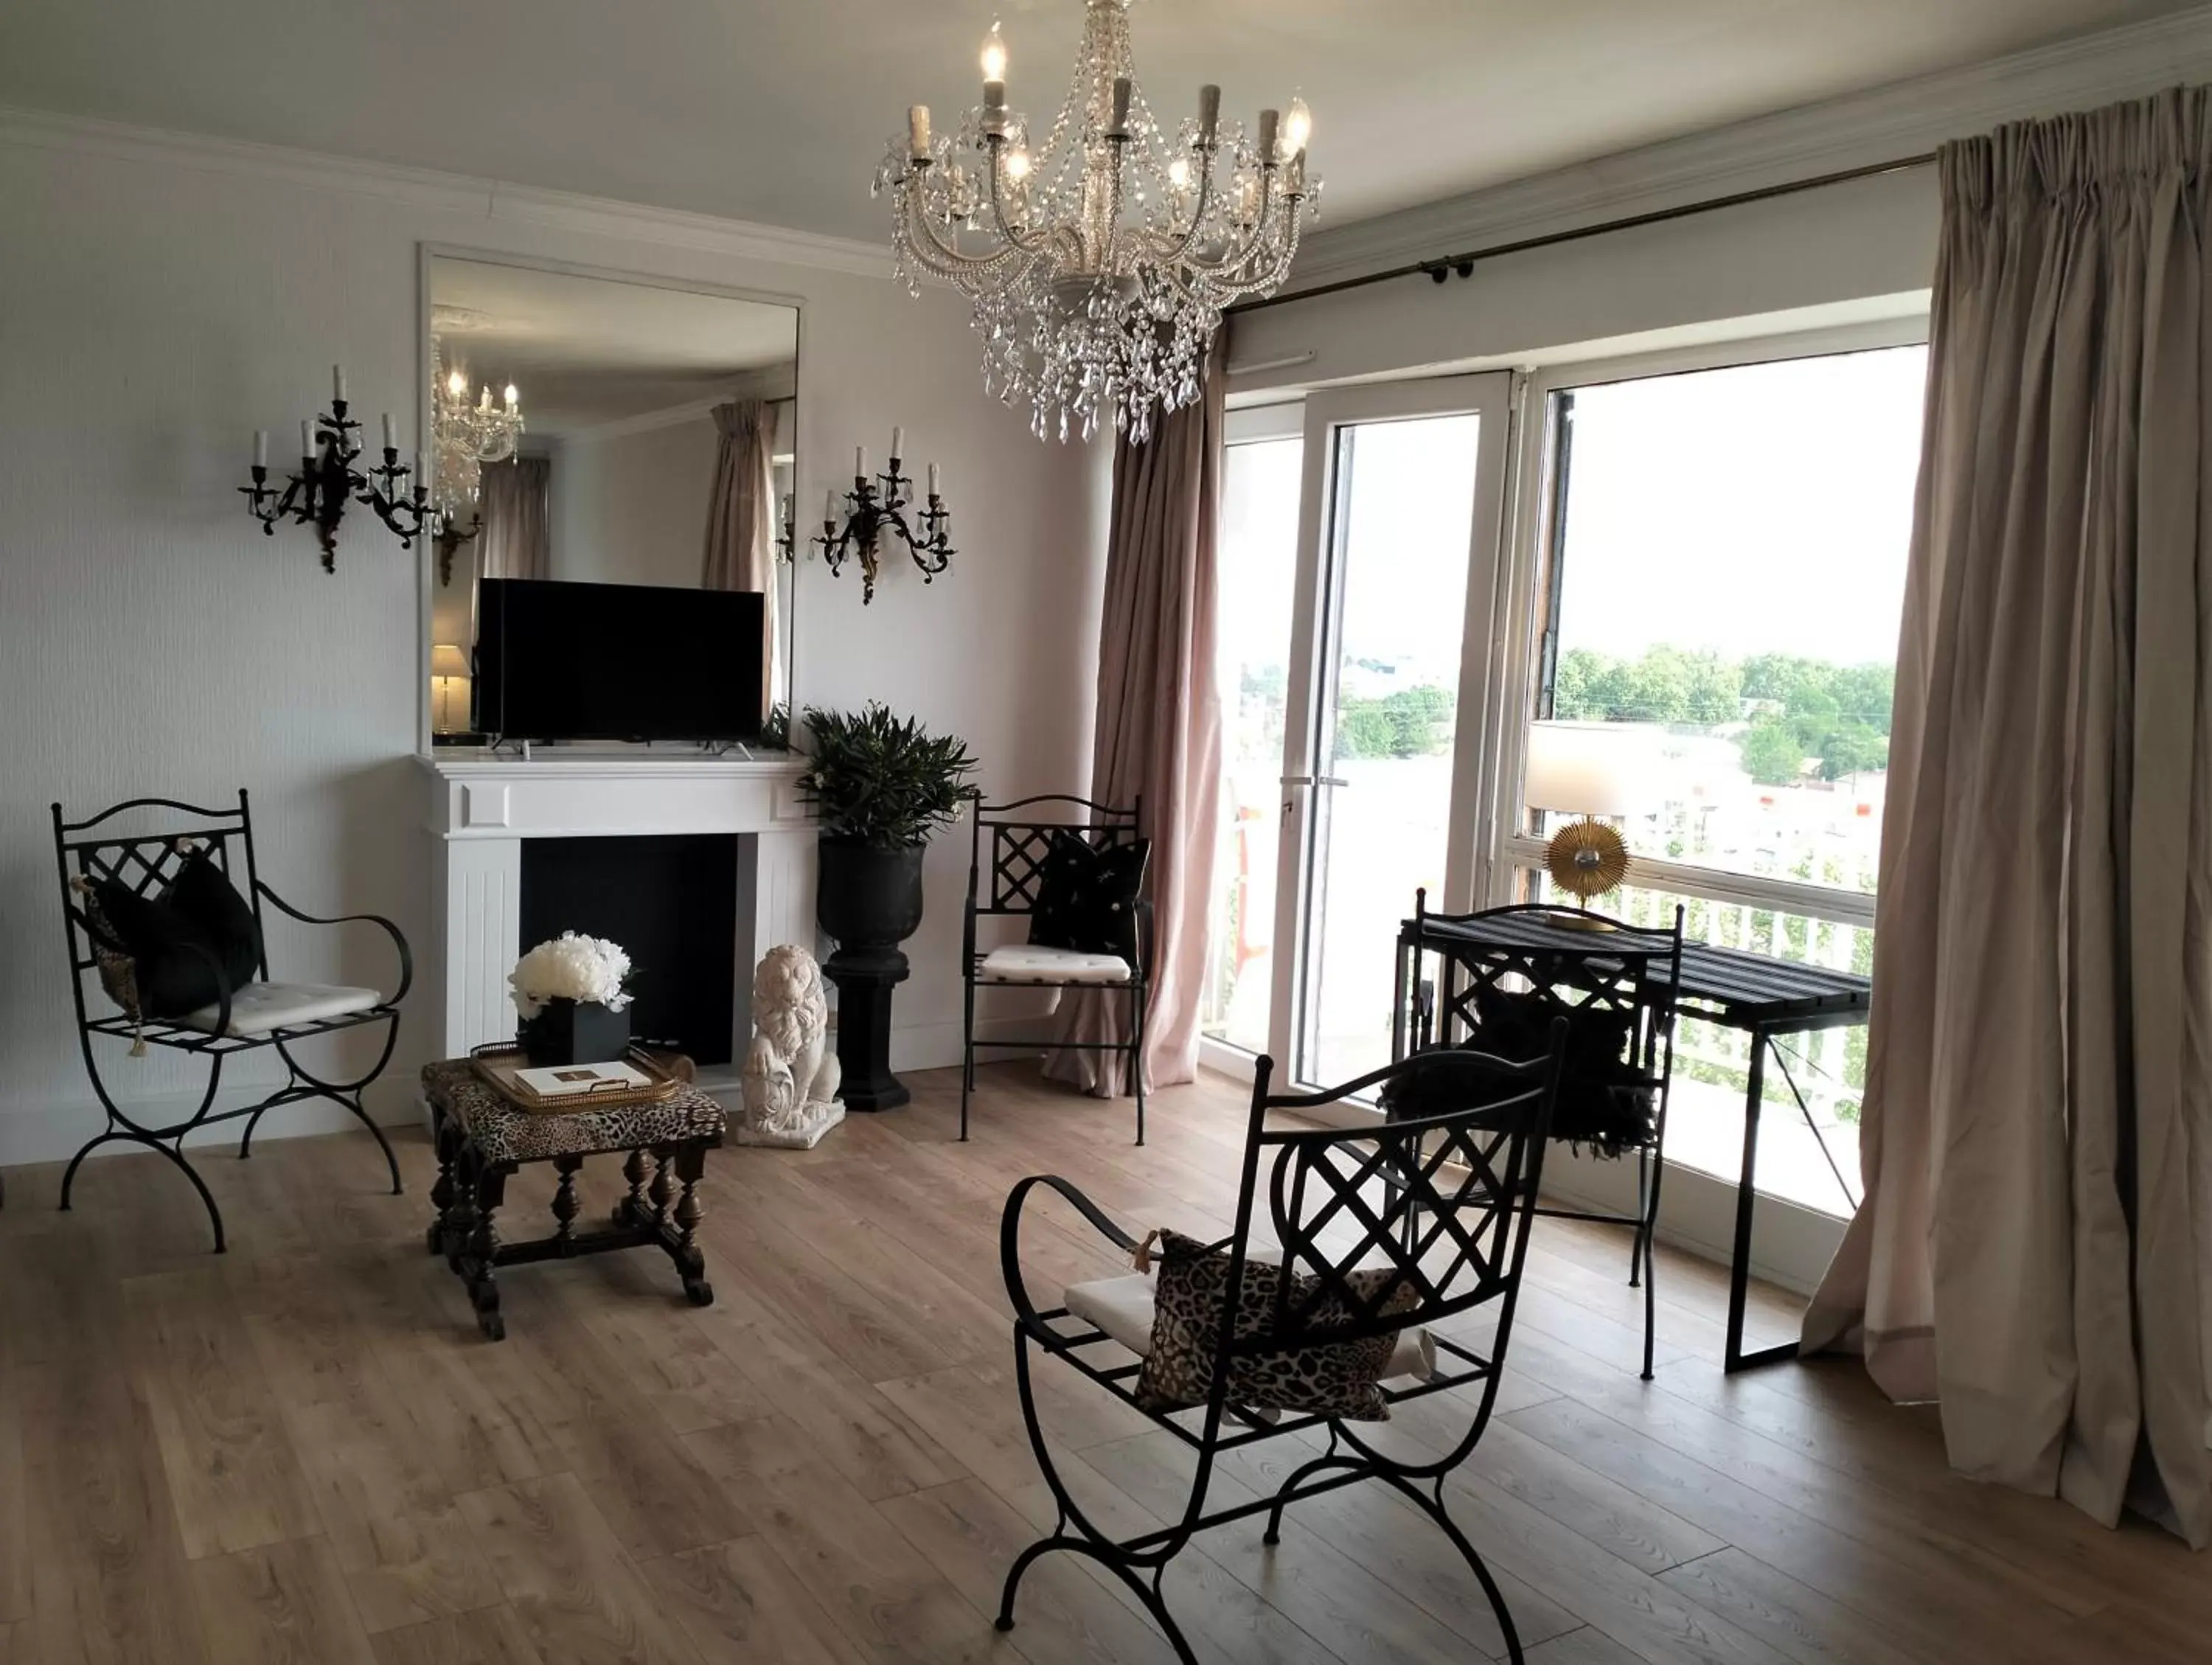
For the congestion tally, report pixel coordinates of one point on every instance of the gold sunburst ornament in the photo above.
(1586, 859)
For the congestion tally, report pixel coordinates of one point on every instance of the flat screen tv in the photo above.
(562, 661)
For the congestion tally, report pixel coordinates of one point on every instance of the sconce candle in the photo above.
(261, 447)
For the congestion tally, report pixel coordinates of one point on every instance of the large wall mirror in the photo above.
(602, 431)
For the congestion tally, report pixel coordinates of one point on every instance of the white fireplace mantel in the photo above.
(482, 808)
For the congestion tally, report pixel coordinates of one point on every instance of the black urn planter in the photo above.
(869, 901)
(575, 1032)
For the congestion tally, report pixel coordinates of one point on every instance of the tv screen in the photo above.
(560, 661)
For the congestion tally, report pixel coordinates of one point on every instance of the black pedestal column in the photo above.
(864, 978)
(870, 901)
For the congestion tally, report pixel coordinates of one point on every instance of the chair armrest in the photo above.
(1009, 1231)
(398, 942)
(968, 938)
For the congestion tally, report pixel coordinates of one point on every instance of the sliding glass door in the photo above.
(1399, 512)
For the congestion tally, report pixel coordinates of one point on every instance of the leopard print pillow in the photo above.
(118, 972)
(1336, 1380)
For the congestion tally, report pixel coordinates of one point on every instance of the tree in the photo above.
(1770, 753)
(1853, 748)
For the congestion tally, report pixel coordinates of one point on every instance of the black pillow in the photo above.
(1605, 1101)
(1087, 896)
(203, 895)
(172, 979)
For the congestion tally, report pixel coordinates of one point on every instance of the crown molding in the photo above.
(1902, 118)
(444, 193)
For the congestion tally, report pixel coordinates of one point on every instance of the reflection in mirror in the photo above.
(593, 431)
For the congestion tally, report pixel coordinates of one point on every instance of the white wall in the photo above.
(160, 300)
(631, 509)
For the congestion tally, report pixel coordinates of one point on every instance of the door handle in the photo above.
(1313, 781)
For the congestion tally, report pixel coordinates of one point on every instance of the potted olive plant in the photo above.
(881, 784)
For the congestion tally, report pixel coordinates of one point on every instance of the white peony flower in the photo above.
(570, 968)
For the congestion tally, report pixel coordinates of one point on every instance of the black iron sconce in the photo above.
(317, 493)
(875, 511)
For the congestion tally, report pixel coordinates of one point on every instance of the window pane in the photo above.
(1730, 572)
(1806, 1156)
(1258, 563)
(1405, 496)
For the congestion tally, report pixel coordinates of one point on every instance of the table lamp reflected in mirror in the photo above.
(447, 663)
(1588, 770)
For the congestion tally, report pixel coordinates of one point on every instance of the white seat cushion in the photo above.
(1122, 1307)
(257, 1008)
(1022, 962)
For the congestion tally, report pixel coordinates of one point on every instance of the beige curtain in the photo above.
(517, 539)
(741, 520)
(1157, 731)
(2035, 1249)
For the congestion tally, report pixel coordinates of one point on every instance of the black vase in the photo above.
(870, 901)
(575, 1032)
(866, 897)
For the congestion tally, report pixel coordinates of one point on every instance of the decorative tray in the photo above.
(500, 1067)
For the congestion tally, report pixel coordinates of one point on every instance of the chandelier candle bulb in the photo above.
(860, 463)
(306, 441)
(1209, 112)
(390, 443)
(1270, 120)
(994, 56)
(261, 447)
(829, 507)
(337, 383)
(933, 482)
(1298, 127)
(898, 447)
(917, 130)
(1119, 130)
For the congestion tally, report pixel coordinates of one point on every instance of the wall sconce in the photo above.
(447, 661)
(873, 512)
(317, 495)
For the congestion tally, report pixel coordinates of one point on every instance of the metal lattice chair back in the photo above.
(1018, 847)
(148, 862)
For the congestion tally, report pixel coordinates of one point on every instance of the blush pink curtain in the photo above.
(2035, 1249)
(1157, 731)
(740, 552)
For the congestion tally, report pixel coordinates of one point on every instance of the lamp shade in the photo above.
(447, 660)
(1590, 769)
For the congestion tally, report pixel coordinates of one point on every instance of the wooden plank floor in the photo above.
(301, 1452)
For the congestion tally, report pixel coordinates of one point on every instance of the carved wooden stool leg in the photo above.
(564, 1203)
(690, 1166)
(630, 1211)
(484, 1250)
(441, 1193)
(660, 1188)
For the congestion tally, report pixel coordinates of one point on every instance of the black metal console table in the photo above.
(1764, 998)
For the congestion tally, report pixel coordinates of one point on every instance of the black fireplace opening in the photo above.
(671, 901)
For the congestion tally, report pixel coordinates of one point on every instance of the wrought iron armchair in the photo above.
(242, 1019)
(1008, 886)
(1565, 961)
(1440, 1202)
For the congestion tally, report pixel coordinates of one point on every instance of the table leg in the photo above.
(630, 1211)
(441, 1193)
(477, 1267)
(660, 1190)
(564, 1202)
(1747, 1195)
(691, 1166)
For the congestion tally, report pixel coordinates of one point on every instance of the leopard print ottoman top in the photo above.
(502, 1133)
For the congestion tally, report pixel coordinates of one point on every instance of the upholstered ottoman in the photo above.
(482, 1138)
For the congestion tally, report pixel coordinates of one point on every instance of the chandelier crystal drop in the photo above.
(469, 435)
(1099, 256)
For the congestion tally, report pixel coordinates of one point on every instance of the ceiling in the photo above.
(776, 111)
(584, 351)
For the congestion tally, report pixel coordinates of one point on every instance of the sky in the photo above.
(1759, 508)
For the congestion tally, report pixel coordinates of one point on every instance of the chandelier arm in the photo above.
(936, 254)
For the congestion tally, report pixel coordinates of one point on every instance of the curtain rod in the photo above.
(1438, 270)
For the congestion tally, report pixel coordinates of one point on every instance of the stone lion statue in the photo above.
(791, 1075)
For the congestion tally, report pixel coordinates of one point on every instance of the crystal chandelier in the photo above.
(1099, 260)
(469, 435)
